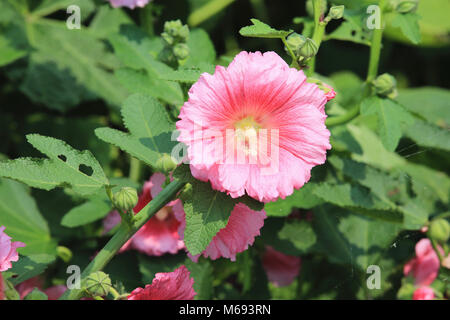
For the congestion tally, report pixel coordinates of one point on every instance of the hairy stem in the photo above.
(319, 31)
(207, 11)
(135, 169)
(146, 19)
(124, 233)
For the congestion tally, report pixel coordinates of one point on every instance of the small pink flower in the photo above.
(281, 269)
(8, 250)
(255, 127)
(160, 234)
(129, 3)
(423, 293)
(425, 266)
(175, 285)
(243, 226)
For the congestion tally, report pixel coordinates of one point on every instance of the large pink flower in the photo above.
(256, 126)
(281, 269)
(160, 234)
(175, 285)
(243, 226)
(425, 266)
(423, 293)
(129, 3)
(8, 250)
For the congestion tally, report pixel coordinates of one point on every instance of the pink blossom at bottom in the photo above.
(8, 250)
(243, 226)
(129, 3)
(425, 266)
(260, 94)
(160, 234)
(281, 269)
(423, 293)
(176, 285)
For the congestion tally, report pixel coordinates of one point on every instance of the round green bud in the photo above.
(385, 85)
(310, 7)
(295, 41)
(439, 230)
(98, 284)
(181, 51)
(308, 50)
(406, 6)
(126, 199)
(165, 164)
(175, 31)
(336, 12)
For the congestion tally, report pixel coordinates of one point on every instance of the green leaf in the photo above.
(303, 198)
(353, 28)
(206, 213)
(201, 49)
(358, 199)
(22, 219)
(86, 213)
(299, 233)
(134, 50)
(76, 57)
(262, 30)
(351, 239)
(409, 25)
(65, 167)
(47, 7)
(428, 135)
(28, 267)
(140, 81)
(13, 44)
(149, 126)
(390, 116)
(429, 103)
(202, 272)
(185, 75)
(107, 21)
(36, 294)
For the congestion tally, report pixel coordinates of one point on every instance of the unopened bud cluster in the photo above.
(175, 37)
(303, 48)
(385, 85)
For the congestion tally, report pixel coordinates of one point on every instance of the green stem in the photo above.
(146, 19)
(124, 233)
(374, 60)
(135, 169)
(207, 11)
(319, 31)
(436, 249)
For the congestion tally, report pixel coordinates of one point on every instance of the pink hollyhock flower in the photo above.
(160, 234)
(425, 266)
(8, 250)
(243, 226)
(129, 3)
(256, 126)
(281, 269)
(175, 285)
(53, 293)
(423, 293)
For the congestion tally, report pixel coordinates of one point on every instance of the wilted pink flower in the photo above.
(53, 293)
(281, 269)
(175, 285)
(160, 234)
(425, 266)
(423, 293)
(129, 3)
(240, 232)
(8, 251)
(256, 126)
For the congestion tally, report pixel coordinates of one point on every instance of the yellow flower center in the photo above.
(247, 135)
